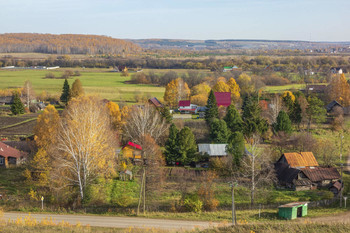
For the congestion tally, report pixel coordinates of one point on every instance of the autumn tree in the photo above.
(245, 83)
(143, 121)
(288, 100)
(234, 89)
(212, 111)
(65, 92)
(221, 86)
(233, 119)
(85, 145)
(175, 91)
(339, 90)
(200, 94)
(17, 106)
(76, 90)
(274, 108)
(46, 127)
(116, 117)
(166, 115)
(28, 93)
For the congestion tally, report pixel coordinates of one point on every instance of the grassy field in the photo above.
(102, 82)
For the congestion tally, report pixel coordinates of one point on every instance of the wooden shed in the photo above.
(293, 210)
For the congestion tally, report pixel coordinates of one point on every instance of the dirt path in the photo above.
(335, 218)
(118, 222)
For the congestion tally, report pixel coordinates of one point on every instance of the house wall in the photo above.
(130, 152)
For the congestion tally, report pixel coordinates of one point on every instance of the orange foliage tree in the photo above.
(339, 90)
(176, 90)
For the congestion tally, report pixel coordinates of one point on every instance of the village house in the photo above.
(155, 102)
(10, 156)
(301, 171)
(223, 98)
(230, 68)
(132, 151)
(336, 70)
(213, 150)
(185, 106)
(6, 100)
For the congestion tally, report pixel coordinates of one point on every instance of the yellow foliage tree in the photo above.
(234, 89)
(339, 90)
(176, 90)
(221, 86)
(245, 83)
(46, 127)
(116, 116)
(200, 100)
(200, 94)
(286, 93)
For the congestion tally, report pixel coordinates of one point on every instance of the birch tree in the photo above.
(28, 93)
(256, 167)
(85, 146)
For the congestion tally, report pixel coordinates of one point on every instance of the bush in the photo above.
(50, 76)
(192, 203)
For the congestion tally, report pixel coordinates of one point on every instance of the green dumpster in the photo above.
(293, 210)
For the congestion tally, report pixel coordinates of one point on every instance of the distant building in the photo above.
(213, 150)
(155, 102)
(315, 89)
(223, 98)
(6, 100)
(230, 68)
(10, 156)
(185, 106)
(336, 70)
(132, 151)
(332, 105)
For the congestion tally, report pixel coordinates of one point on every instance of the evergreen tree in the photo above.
(187, 146)
(296, 115)
(233, 119)
(65, 92)
(253, 122)
(218, 131)
(283, 123)
(315, 110)
(17, 106)
(236, 147)
(76, 90)
(212, 110)
(165, 113)
(171, 146)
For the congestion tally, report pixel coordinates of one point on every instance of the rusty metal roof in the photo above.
(8, 151)
(303, 159)
(318, 174)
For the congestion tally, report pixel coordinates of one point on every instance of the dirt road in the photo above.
(118, 222)
(336, 218)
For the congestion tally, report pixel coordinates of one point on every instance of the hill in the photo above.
(64, 44)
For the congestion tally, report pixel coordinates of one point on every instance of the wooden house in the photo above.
(132, 151)
(10, 156)
(301, 171)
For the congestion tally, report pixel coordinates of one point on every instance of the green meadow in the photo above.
(102, 82)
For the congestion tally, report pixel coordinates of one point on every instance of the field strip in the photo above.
(19, 123)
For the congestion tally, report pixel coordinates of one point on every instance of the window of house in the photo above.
(2, 160)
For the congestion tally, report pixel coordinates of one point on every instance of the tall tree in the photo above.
(76, 90)
(236, 147)
(253, 122)
(116, 116)
(175, 91)
(171, 146)
(296, 113)
(221, 86)
(233, 119)
(245, 83)
(65, 92)
(283, 123)
(315, 111)
(28, 92)
(85, 145)
(234, 89)
(17, 106)
(46, 127)
(187, 145)
(288, 100)
(212, 110)
(166, 115)
(339, 90)
(218, 131)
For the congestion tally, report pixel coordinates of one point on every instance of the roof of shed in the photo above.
(321, 173)
(293, 204)
(213, 149)
(133, 145)
(156, 102)
(8, 151)
(303, 159)
(223, 98)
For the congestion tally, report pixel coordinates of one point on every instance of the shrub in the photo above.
(192, 203)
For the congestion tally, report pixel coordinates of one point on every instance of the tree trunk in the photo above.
(144, 190)
(140, 195)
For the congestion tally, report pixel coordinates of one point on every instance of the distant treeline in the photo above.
(64, 44)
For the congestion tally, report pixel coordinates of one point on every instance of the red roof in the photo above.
(223, 98)
(184, 103)
(8, 151)
(156, 102)
(133, 145)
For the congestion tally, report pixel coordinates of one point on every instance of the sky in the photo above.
(315, 20)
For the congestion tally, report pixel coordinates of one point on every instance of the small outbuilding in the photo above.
(293, 210)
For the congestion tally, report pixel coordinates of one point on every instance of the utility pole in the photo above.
(342, 186)
(341, 147)
(233, 184)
